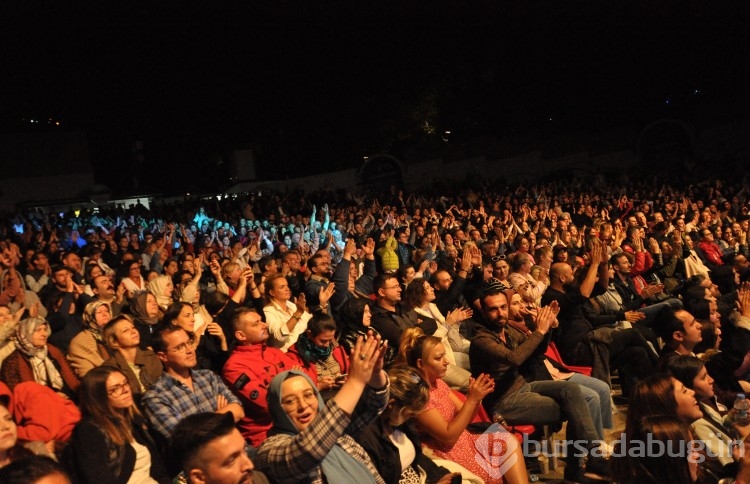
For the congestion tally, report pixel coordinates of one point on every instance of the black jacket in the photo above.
(92, 458)
(385, 456)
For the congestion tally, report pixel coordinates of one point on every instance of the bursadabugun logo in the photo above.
(496, 451)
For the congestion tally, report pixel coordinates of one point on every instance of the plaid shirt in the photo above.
(286, 458)
(169, 400)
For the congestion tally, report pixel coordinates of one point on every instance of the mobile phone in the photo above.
(341, 377)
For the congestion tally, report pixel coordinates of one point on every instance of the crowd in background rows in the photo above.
(131, 294)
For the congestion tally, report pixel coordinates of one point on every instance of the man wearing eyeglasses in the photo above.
(181, 390)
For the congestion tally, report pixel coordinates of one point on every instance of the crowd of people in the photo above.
(385, 338)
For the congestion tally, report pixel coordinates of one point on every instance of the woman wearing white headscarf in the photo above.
(161, 287)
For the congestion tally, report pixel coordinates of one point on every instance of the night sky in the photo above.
(312, 86)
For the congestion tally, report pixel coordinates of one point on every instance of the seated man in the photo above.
(210, 450)
(680, 332)
(182, 391)
(499, 353)
(248, 371)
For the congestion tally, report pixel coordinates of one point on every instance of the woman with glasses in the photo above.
(312, 441)
(111, 443)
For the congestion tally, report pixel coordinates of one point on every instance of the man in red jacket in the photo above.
(250, 369)
(710, 249)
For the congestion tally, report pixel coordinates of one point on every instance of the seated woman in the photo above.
(445, 418)
(162, 289)
(657, 397)
(420, 297)
(9, 448)
(353, 321)
(146, 315)
(294, 450)
(209, 341)
(286, 320)
(35, 360)
(87, 349)
(318, 353)
(393, 442)
(716, 432)
(679, 465)
(111, 443)
(142, 367)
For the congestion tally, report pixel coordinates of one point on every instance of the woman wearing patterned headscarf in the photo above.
(88, 350)
(35, 360)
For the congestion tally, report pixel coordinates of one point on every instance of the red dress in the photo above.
(469, 448)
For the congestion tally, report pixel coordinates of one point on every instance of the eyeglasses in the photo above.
(182, 348)
(397, 286)
(292, 403)
(118, 390)
(498, 257)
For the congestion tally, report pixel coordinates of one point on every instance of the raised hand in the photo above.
(325, 293)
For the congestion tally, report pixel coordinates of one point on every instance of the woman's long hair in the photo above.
(633, 466)
(654, 395)
(115, 423)
(415, 293)
(685, 368)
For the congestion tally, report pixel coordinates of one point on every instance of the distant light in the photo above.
(696, 92)
(78, 212)
(365, 158)
(667, 101)
(57, 123)
(447, 132)
(31, 120)
(550, 119)
(188, 194)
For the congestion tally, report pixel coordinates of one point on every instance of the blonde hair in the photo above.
(415, 346)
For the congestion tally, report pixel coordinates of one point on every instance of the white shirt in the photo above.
(276, 318)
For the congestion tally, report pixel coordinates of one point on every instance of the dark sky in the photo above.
(315, 87)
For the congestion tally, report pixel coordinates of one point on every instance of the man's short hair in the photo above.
(667, 323)
(196, 431)
(238, 313)
(313, 261)
(163, 329)
(380, 280)
(30, 470)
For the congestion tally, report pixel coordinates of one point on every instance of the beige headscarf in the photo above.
(158, 287)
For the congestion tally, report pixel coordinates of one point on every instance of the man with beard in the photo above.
(320, 275)
(248, 371)
(500, 352)
(211, 450)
